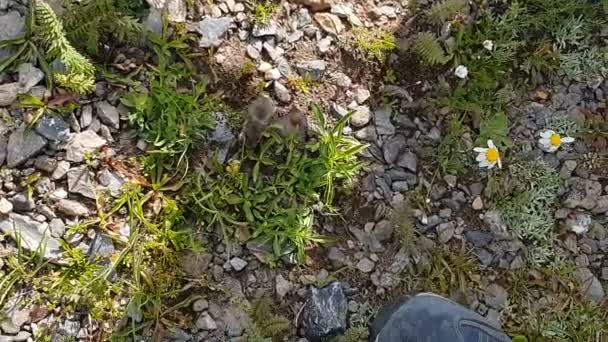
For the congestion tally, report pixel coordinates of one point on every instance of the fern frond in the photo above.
(275, 326)
(80, 72)
(445, 10)
(429, 50)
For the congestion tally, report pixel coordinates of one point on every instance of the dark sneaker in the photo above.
(431, 318)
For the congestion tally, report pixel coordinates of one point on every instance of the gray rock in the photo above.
(445, 231)
(409, 161)
(154, 21)
(365, 265)
(80, 181)
(313, 69)
(102, 247)
(361, 116)
(31, 234)
(23, 144)
(29, 76)
(496, 296)
(478, 238)
(178, 335)
(221, 132)
(270, 29)
(477, 203)
(282, 286)
(61, 170)
(57, 227)
(8, 327)
(281, 92)
(200, 305)
(336, 256)
(5, 206)
(3, 145)
(601, 206)
(108, 114)
(238, 264)
(86, 116)
(253, 53)
(9, 93)
(383, 230)
(12, 25)
(324, 313)
(590, 286)
(400, 186)
(382, 120)
(20, 337)
(111, 182)
(212, 30)
(45, 163)
(70, 328)
(206, 322)
(392, 148)
(272, 74)
(53, 128)
(361, 95)
(81, 143)
(23, 202)
(235, 320)
(72, 208)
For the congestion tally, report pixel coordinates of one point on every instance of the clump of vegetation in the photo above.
(441, 12)
(452, 153)
(528, 208)
(301, 84)
(403, 218)
(266, 325)
(263, 10)
(375, 45)
(271, 192)
(358, 333)
(430, 50)
(89, 21)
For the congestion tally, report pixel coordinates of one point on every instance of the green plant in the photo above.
(40, 108)
(441, 12)
(263, 10)
(301, 84)
(353, 334)
(402, 217)
(79, 74)
(375, 45)
(88, 22)
(429, 49)
(575, 321)
(266, 325)
(528, 208)
(452, 153)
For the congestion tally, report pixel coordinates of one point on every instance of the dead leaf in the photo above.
(330, 23)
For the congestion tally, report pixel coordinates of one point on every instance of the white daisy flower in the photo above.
(488, 157)
(461, 71)
(551, 141)
(488, 45)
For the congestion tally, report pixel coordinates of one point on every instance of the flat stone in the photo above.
(5, 206)
(86, 116)
(20, 337)
(478, 238)
(361, 95)
(57, 227)
(108, 114)
(383, 230)
(23, 202)
(330, 23)
(496, 296)
(365, 265)
(324, 313)
(238, 264)
(235, 320)
(409, 161)
(281, 92)
(29, 76)
(81, 143)
(72, 208)
(110, 182)
(212, 30)
(31, 234)
(270, 29)
(282, 286)
(336, 256)
(477, 203)
(590, 286)
(200, 305)
(3, 145)
(9, 93)
(313, 69)
(23, 144)
(382, 120)
(53, 128)
(102, 247)
(392, 148)
(61, 170)
(12, 25)
(361, 116)
(80, 181)
(445, 231)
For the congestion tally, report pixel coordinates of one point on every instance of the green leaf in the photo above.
(233, 199)
(494, 128)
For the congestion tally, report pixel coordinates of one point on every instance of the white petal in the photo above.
(491, 144)
(480, 149)
(499, 163)
(488, 45)
(568, 140)
(491, 165)
(461, 71)
(547, 134)
(578, 229)
(480, 157)
(484, 163)
(544, 141)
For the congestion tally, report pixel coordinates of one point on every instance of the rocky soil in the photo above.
(402, 229)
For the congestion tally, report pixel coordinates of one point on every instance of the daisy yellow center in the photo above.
(555, 139)
(492, 154)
